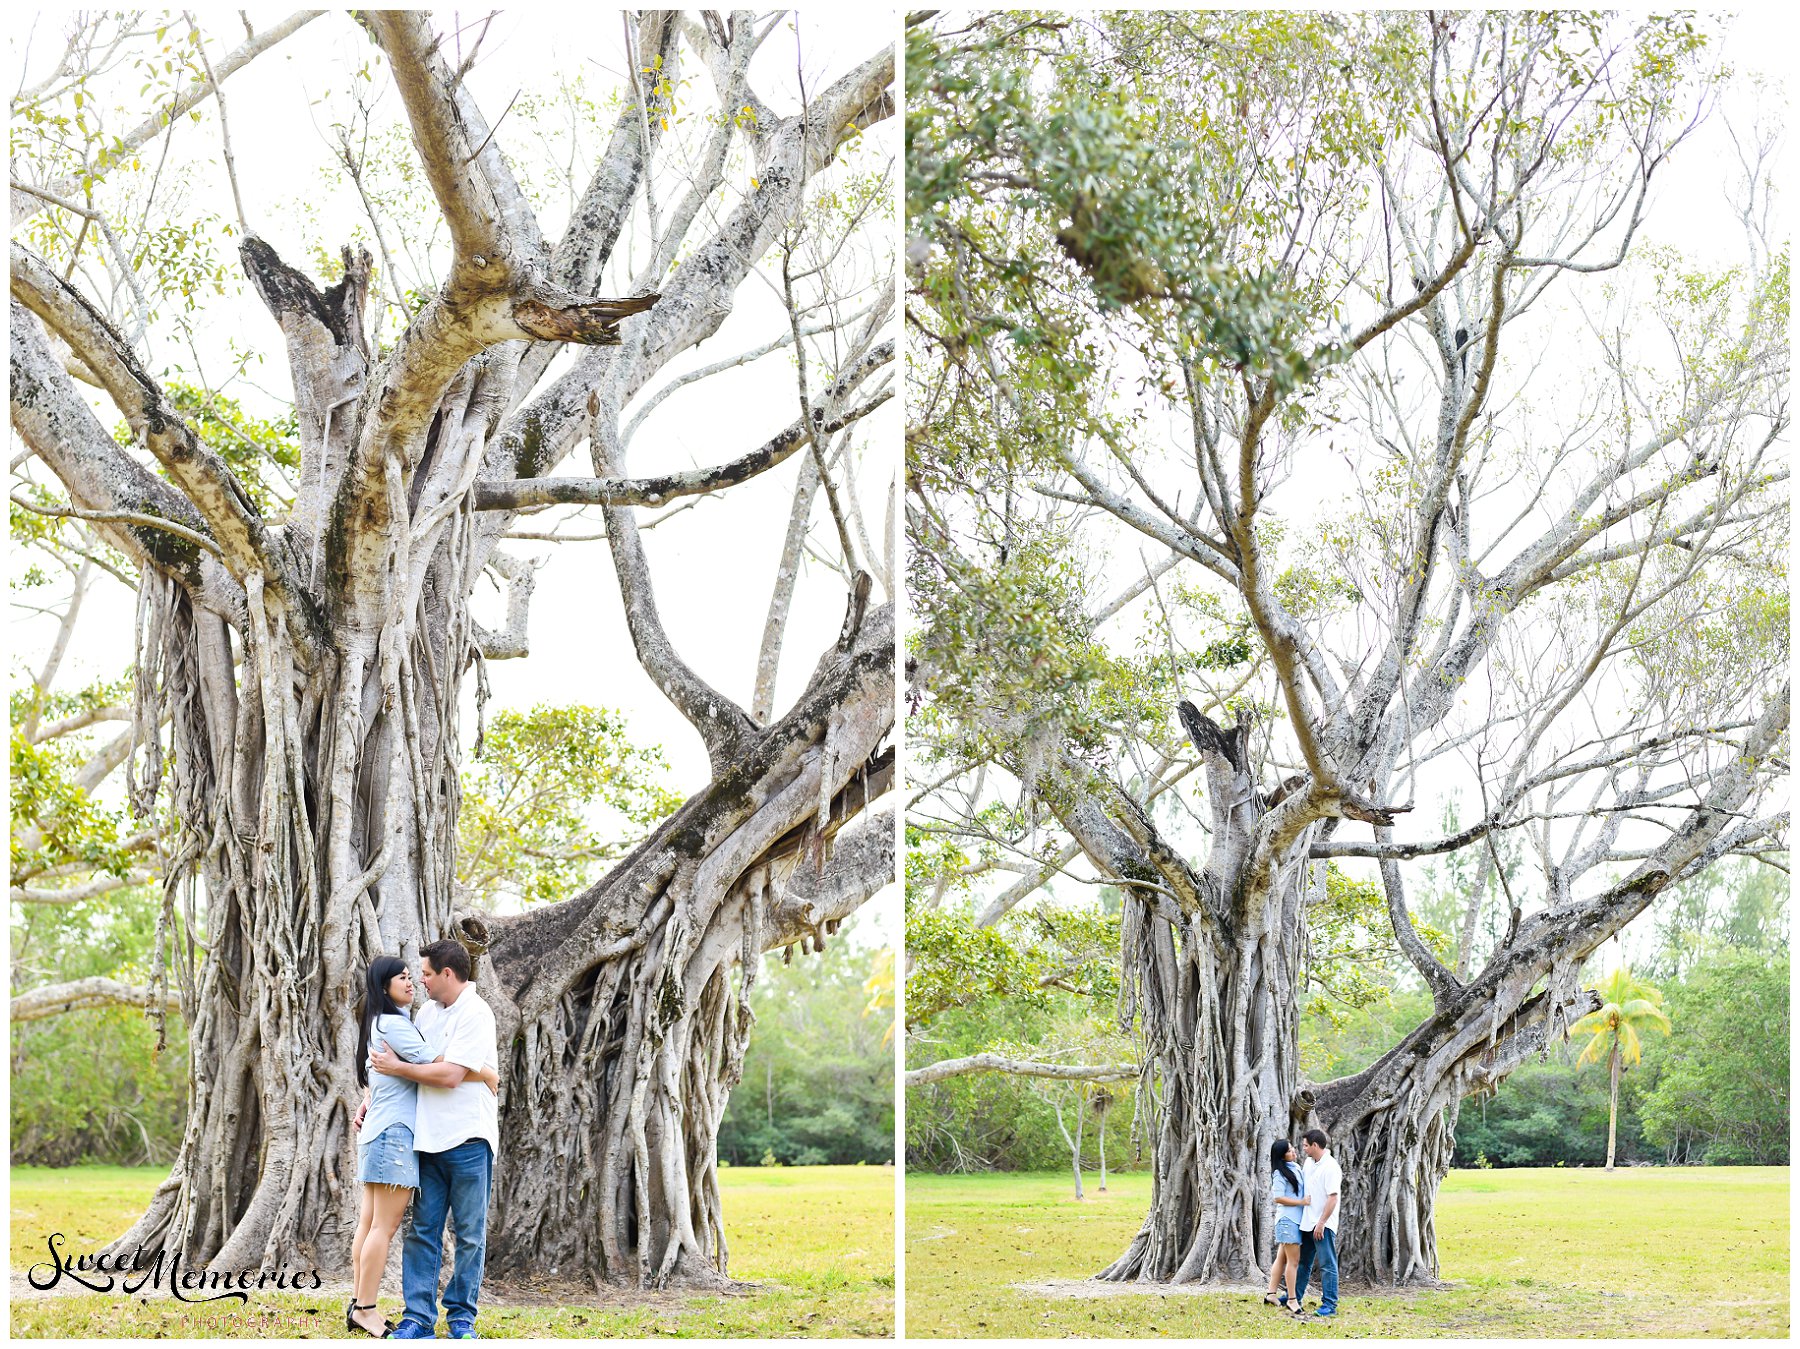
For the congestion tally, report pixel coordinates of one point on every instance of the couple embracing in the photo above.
(1306, 1224)
(428, 1128)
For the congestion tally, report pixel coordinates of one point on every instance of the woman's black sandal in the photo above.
(350, 1322)
(1269, 1299)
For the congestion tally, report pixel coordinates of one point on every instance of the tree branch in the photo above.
(75, 894)
(861, 863)
(492, 228)
(511, 642)
(200, 474)
(79, 721)
(196, 93)
(81, 994)
(517, 493)
(724, 727)
(999, 1063)
(54, 419)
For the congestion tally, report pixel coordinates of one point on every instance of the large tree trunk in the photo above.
(623, 1013)
(1220, 1021)
(628, 1009)
(1212, 970)
(281, 783)
(1210, 963)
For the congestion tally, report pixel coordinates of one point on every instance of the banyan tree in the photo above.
(1303, 436)
(299, 674)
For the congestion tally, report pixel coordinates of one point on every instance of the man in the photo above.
(1323, 1181)
(456, 1132)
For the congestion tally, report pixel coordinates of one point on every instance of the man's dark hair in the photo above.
(448, 955)
(1311, 1135)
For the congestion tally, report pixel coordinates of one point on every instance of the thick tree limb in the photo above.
(540, 433)
(797, 148)
(329, 360)
(511, 642)
(52, 417)
(999, 1063)
(852, 690)
(56, 999)
(491, 226)
(201, 475)
(499, 248)
(861, 863)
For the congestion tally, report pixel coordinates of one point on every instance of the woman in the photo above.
(387, 1166)
(1288, 1200)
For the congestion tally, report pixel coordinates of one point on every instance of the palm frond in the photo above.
(1629, 1044)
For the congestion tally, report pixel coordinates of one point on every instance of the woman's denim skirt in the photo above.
(389, 1159)
(1287, 1230)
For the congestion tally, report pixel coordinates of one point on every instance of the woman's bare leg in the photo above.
(387, 1206)
(365, 1213)
(1290, 1258)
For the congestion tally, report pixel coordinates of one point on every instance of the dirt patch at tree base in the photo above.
(555, 1292)
(1101, 1288)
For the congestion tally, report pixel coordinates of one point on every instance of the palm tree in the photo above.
(1628, 1007)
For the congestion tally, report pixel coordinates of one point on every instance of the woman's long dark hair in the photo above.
(1278, 1162)
(376, 1002)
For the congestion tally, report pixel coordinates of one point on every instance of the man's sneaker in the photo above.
(1323, 1315)
(412, 1330)
(463, 1330)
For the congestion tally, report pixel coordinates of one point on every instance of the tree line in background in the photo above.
(1713, 1091)
(818, 1084)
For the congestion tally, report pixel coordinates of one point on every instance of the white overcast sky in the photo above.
(713, 565)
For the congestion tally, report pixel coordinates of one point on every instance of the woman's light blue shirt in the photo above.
(392, 1100)
(1280, 1188)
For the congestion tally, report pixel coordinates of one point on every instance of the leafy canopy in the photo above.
(555, 792)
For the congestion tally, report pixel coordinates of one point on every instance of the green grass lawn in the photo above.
(819, 1240)
(1643, 1252)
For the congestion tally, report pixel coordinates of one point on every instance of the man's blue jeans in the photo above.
(454, 1183)
(1315, 1247)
